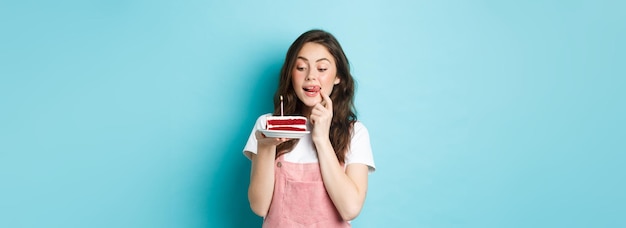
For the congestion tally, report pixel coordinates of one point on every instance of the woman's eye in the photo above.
(300, 68)
(322, 69)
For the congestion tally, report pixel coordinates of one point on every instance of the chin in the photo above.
(310, 101)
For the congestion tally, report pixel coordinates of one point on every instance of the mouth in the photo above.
(311, 90)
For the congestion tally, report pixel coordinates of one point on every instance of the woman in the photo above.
(318, 180)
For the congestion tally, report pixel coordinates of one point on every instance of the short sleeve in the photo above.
(360, 151)
(251, 145)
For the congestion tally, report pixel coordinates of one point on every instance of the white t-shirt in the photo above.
(359, 151)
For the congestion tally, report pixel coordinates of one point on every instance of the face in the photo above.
(314, 72)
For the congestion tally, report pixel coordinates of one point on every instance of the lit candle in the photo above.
(281, 105)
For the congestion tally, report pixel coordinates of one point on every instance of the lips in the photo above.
(312, 88)
(311, 91)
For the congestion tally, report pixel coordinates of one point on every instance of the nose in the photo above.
(312, 75)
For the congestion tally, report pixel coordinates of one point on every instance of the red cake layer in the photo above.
(287, 122)
(286, 129)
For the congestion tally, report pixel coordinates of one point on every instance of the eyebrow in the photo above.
(305, 59)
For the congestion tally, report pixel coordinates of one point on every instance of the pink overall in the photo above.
(300, 199)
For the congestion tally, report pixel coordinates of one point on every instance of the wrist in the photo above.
(266, 149)
(321, 141)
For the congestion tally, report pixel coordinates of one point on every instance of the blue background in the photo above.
(481, 114)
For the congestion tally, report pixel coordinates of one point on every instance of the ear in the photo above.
(337, 80)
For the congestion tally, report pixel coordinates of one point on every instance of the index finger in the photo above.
(326, 101)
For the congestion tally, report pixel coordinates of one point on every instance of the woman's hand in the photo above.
(321, 118)
(264, 141)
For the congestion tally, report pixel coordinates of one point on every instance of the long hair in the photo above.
(344, 113)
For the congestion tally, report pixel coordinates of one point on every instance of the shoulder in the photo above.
(263, 118)
(359, 128)
(261, 121)
(359, 133)
(360, 148)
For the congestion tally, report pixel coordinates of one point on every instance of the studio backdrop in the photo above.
(481, 113)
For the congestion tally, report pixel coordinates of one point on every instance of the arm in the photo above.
(261, 186)
(347, 189)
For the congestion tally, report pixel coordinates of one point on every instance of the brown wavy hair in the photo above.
(344, 113)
